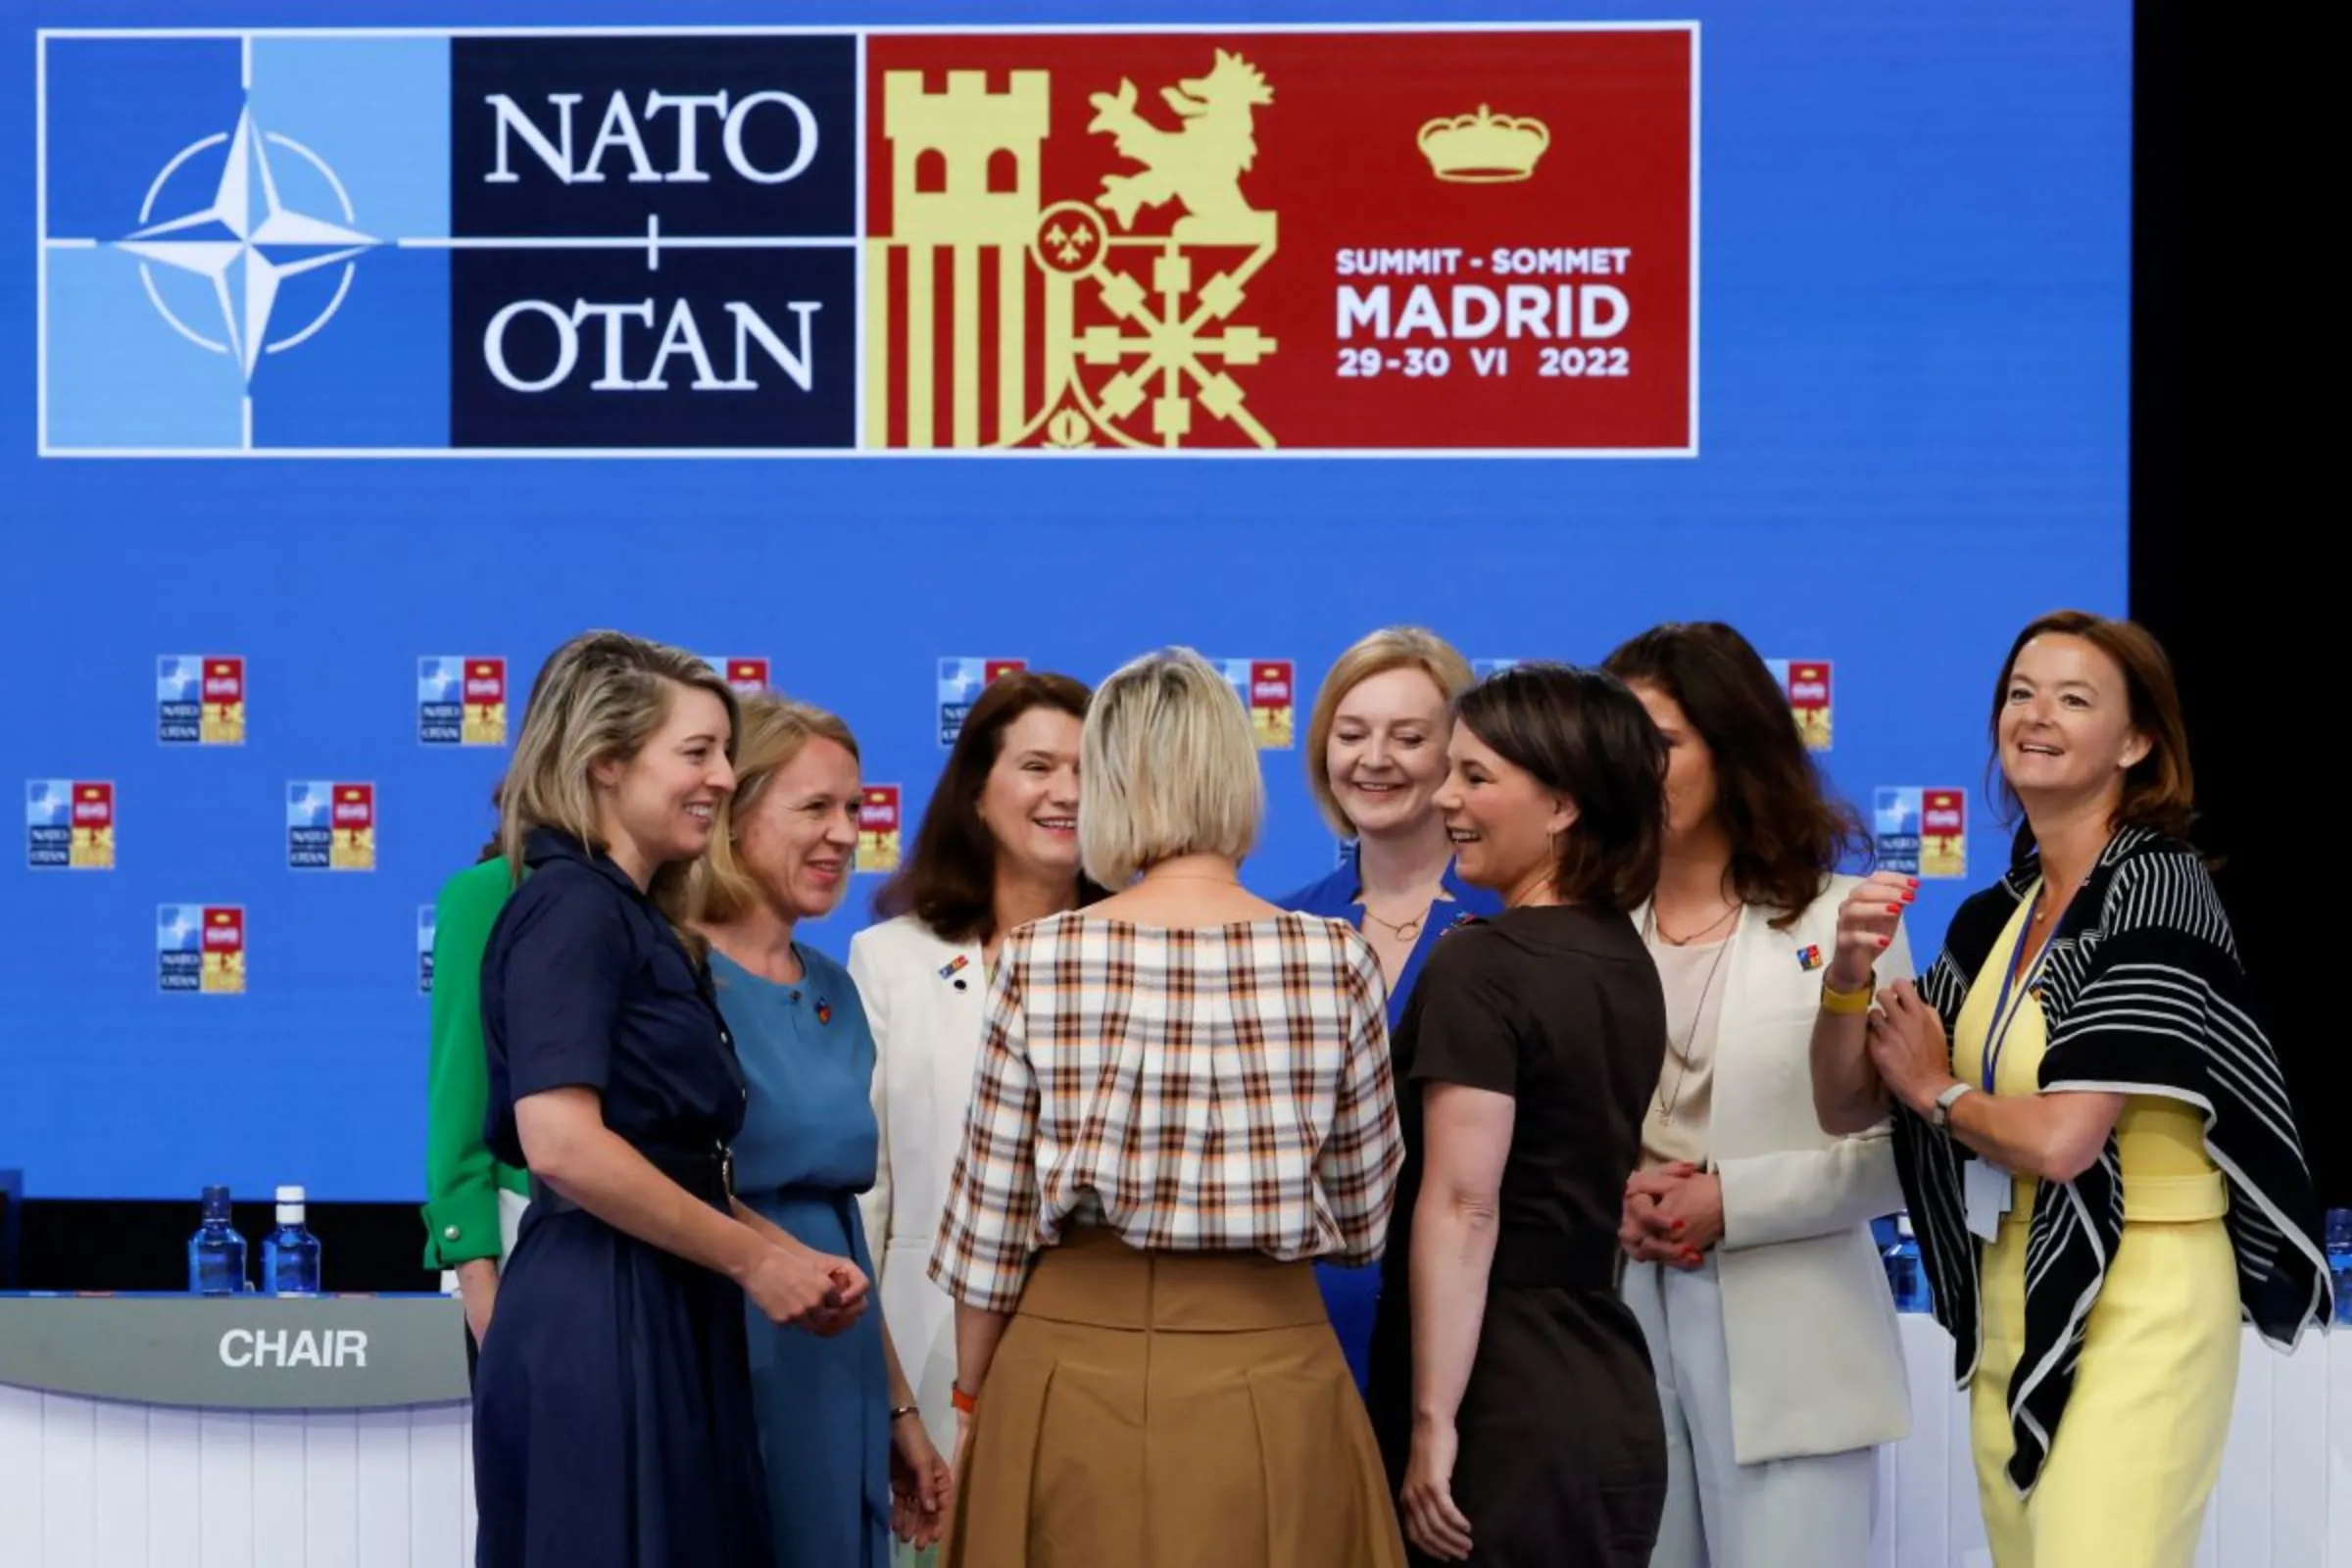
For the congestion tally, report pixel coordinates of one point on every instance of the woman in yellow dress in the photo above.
(2096, 1146)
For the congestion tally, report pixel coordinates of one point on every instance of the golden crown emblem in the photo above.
(1484, 148)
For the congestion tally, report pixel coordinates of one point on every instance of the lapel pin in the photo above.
(824, 1011)
(1808, 958)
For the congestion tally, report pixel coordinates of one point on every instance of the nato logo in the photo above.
(354, 243)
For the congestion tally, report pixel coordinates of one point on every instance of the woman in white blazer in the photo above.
(1751, 1266)
(998, 848)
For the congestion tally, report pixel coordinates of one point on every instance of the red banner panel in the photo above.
(1337, 241)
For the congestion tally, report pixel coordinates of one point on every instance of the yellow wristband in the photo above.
(1847, 1003)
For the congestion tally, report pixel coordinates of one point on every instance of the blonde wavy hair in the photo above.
(601, 697)
(1375, 653)
(1170, 768)
(775, 730)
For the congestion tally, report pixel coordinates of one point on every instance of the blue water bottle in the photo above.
(2339, 1260)
(1904, 1275)
(290, 1252)
(216, 1251)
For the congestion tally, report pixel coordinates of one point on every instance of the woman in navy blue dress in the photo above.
(837, 1417)
(1375, 759)
(612, 1414)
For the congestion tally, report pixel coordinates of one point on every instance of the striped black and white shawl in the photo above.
(2144, 995)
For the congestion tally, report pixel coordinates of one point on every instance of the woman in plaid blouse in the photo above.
(1183, 1099)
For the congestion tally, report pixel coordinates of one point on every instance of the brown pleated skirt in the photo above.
(1171, 1410)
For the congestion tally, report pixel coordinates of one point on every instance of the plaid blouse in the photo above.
(1225, 1087)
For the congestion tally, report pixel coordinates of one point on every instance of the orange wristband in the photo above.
(968, 1404)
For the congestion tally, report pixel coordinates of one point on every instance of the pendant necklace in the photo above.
(1682, 1063)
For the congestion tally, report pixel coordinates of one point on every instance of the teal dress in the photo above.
(806, 1150)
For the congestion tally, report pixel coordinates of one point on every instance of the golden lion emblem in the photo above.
(1200, 163)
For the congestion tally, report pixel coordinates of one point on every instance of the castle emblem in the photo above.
(997, 317)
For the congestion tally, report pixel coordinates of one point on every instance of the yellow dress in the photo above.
(2139, 1444)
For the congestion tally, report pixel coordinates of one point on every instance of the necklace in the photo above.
(1668, 1100)
(1673, 941)
(1401, 930)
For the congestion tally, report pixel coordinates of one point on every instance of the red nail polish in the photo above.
(1886, 942)
(1894, 908)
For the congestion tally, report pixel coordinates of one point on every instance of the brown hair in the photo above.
(774, 731)
(2160, 790)
(1581, 733)
(1787, 835)
(948, 880)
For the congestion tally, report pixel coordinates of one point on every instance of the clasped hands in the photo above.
(1672, 1216)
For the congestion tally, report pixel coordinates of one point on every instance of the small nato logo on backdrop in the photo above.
(961, 682)
(68, 824)
(200, 948)
(330, 826)
(460, 699)
(200, 700)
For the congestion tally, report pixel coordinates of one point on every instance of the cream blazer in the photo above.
(1808, 1321)
(926, 1010)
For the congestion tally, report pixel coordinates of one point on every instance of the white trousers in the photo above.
(1811, 1512)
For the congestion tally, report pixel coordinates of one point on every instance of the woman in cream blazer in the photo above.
(1752, 1269)
(998, 848)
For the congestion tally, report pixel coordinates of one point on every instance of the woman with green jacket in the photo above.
(473, 1203)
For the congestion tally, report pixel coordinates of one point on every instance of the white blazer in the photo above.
(1808, 1322)
(926, 1011)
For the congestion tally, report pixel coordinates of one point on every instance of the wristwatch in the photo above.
(1939, 1114)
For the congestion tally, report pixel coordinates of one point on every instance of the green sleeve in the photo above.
(460, 1178)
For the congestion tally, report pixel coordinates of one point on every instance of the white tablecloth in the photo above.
(85, 1484)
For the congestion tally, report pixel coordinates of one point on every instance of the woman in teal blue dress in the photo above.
(846, 1455)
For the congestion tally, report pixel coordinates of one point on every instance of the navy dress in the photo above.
(808, 1148)
(613, 1421)
(1352, 1295)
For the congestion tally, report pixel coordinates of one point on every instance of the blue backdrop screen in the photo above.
(357, 370)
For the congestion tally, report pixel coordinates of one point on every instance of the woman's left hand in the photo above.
(1426, 1499)
(920, 1484)
(1908, 1047)
(1693, 1213)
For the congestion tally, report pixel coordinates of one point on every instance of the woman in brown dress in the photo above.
(1183, 1099)
(1511, 1387)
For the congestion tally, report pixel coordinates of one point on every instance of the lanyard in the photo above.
(2003, 1013)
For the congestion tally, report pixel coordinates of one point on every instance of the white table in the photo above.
(97, 1483)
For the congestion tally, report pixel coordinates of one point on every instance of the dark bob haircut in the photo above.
(1580, 732)
(950, 880)
(1787, 836)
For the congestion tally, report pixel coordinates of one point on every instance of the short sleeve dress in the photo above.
(1562, 1462)
(613, 1423)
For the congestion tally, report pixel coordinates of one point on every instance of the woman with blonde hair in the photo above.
(1183, 1097)
(838, 1423)
(612, 1418)
(1374, 760)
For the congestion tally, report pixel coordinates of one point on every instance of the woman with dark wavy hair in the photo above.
(1746, 1228)
(998, 848)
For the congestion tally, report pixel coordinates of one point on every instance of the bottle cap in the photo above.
(215, 1195)
(1902, 1224)
(289, 1195)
